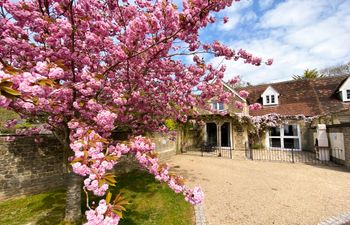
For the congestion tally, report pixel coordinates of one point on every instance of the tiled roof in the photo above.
(307, 97)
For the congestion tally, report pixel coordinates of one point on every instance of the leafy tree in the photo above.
(338, 70)
(309, 74)
(84, 68)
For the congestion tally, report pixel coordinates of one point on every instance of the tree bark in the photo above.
(74, 182)
(73, 199)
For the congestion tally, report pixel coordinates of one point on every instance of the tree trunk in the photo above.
(73, 199)
(74, 182)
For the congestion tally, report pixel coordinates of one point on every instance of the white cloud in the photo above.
(264, 4)
(297, 35)
(238, 6)
(249, 16)
(235, 15)
(230, 25)
(294, 13)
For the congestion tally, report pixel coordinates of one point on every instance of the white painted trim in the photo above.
(345, 95)
(343, 90)
(341, 87)
(233, 91)
(281, 137)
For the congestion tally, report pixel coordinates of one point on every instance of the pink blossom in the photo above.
(234, 80)
(173, 185)
(10, 138)
(244, 94)
(4, 102)
(255, 106)
(10, 123)
(225, 19)
(194, 196)
(41, 67)
(80, 169)
(238, 105)
(56, 73)
(105, 119)
(269, 62)
(97, 216)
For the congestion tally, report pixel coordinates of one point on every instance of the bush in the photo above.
(257, 146)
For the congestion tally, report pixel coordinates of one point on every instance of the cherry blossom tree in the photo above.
(85, 68)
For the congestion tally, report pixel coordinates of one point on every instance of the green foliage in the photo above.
(257, 146)
(309, 74)
(150, 203)
(170, 124)
(6, 115)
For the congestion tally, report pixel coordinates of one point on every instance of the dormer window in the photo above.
(344, 90)
(270, 96)
(218, 106)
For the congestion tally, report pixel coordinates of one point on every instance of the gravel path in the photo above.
(250, 192)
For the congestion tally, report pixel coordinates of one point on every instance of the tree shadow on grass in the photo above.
(131, 217)
(52, 208)
(151, 202)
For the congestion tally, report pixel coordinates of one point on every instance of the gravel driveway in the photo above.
(251, 192)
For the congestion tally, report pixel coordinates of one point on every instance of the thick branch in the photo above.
(72, 48)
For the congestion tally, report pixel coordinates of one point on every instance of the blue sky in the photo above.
(297, 34)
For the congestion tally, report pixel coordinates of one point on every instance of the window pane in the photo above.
(267, 99)
(275, 142)
(348, 94)
(221, 106)
(272, 99)
(214, 105)
(292, 143)
(275, 131)
(290, 130)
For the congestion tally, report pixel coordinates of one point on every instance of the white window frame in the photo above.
(216, 106)
(282, 137)
(273, 97)
(347, 94)
(269, 98)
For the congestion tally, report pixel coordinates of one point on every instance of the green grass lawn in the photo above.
(151, 203)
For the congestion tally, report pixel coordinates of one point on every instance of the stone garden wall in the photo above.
(28, 167)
